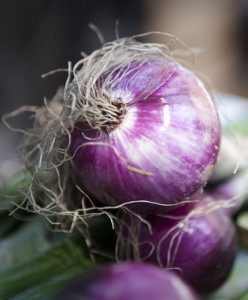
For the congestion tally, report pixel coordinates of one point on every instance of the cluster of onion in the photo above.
(152, 153)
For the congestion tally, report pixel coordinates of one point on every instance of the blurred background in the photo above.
(43, 35)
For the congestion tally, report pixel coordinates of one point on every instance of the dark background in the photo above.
(42, 35)
(39, 36)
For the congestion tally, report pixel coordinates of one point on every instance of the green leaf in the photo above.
(241, 128)
(29, 239)
(66, 256)
(244, 297)
(47, 288)
(13, 190)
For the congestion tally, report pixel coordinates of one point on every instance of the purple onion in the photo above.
(128, 281)
(162, 148)
(232, 192)
(198, 241)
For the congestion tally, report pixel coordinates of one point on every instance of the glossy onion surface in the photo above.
(128, 281)
(201, 249)
(163, 150)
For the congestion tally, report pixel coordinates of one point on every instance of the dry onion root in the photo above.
(197, 241)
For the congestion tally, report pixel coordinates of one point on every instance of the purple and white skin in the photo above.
(162, 148)
(128, 281)
(198, 241)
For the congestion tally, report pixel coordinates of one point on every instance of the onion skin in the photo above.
(197, 240)
(233, 192)
(128, 281)
(202, 249)
(164, 149)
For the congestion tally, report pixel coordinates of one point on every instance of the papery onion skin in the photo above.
(163, 150)
(201, 248)
(128, 281)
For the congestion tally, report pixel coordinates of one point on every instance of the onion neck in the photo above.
(117, 115)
